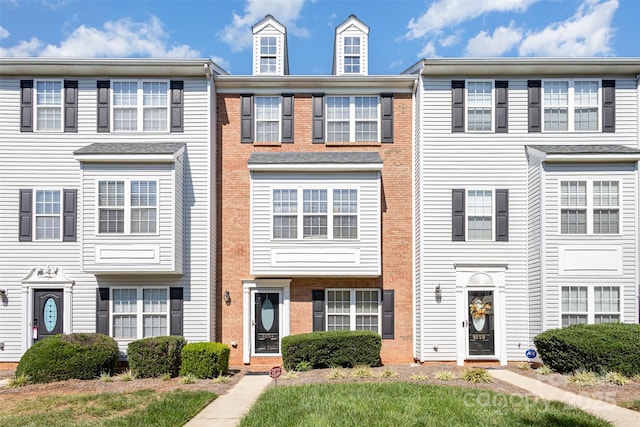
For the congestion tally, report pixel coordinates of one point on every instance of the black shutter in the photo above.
(24, 212)
(318, 119)
(457, 106)
(103, 105)
(246, 119)
(71, 106)
(102, 311)
(502, 104)
(457, 215)
(287, 119)
(318, 310)
(177, 106)
(535, 105)
(26, 105)
(386, 104)
(608, 106)
(387, 314)
(502, 215)
(69, 215)
(176, 296)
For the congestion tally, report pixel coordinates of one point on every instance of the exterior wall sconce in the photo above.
(227, 297)
(3, 292)
(438, 291)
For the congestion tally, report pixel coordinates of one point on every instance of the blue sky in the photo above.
(402, 31)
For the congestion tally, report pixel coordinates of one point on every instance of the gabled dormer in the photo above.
(270, 56)
(351, 48)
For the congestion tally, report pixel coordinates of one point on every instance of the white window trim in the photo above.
(589, 206)
(139, 311)
(34, 215)
(467, 214)
(127, 206)
(256, 120)
(492, 105)
(571, 105)
(352, 117)
(591, 302)
(139, 106)
(300, 213)
(37, 107)
(352, 307)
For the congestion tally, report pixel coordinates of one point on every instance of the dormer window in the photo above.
(352, 55)
(268, 51)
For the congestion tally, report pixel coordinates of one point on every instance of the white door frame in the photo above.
(487, 277)
(249, 288)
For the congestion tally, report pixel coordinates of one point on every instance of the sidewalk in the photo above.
(619, 417)
(229, 408)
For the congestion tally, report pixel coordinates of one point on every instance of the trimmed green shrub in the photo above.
(153, 357)
(205, 359)
(598, 348)
(331, 349)
(63, 357)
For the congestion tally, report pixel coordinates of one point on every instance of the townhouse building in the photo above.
(526, 201)
(315, 190)
(107, 200)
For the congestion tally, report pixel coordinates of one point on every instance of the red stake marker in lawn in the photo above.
(275, 373)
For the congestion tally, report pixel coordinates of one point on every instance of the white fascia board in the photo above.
(320, 167)
(590, 158)
(127, 158)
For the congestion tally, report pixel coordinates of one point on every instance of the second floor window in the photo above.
(589, 207)
(352, 118)
(480, 214)
(48, 211)
(268, 52)
(127, 207)
(49, 105)
(140, 106)
(479, 106)
(267, 118)
(325, 214)
(352, 55)
(571, 105)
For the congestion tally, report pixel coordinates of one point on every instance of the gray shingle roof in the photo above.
(131, 148)
(315, 158)
(585, 149)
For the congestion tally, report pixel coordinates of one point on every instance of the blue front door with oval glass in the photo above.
(267, 322)
(47, 313)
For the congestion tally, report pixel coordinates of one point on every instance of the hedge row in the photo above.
(598, 348)
(331, 349)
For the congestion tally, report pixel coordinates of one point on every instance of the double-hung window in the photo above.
(590, 304)
(352, 55)
(589, 207)
(267, 118)
(352, 118)
(48, 105)
(48, 210)
(480, 214)
(268, 51)
(139, 313)
(325, 214)
(353, 309)
(571, 105)
(479, 106)
(140, 106)
(127, 207)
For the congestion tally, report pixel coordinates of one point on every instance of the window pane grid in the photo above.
(480, 211)
(47, 212)
(267, 118)
(140, 106)
(129, 315)
(352, 118)
(353, 309)
(479, 104)
(585, 98)
(49, 118)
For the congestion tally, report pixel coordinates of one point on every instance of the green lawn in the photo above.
(632, 404)
(140, 408)
(406, 404)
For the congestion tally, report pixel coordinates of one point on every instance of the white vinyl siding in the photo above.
(571, 105)
(140, 106)
(353, 310)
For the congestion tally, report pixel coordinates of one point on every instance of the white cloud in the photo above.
(428, 51)
(238, 34)
(3, 33)
(587, 33)
(502, 41)
(24, 48)
(444, 13)
(221, 62)
(450, 40)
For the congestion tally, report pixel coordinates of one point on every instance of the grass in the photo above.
(476, 375)
(419, 377)
(188, 379)
(140, 408)
(445, 376)
(616, 378)
(406, 404)
(544, 370)
(631, 404)
(524, 366)
(584, 379)
(362, 371)
(127, 376)
(19, 381)
(337, 374)
(389, 373)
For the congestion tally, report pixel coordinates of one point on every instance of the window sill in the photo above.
(267, 144)
(353, 144)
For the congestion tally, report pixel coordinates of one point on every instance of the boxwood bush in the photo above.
(73, 356)
(332, 349)
(599, 348)
(205, 359)
(153, 357)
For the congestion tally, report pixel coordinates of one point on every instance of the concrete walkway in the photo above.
(229, 408)
(618, 416)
